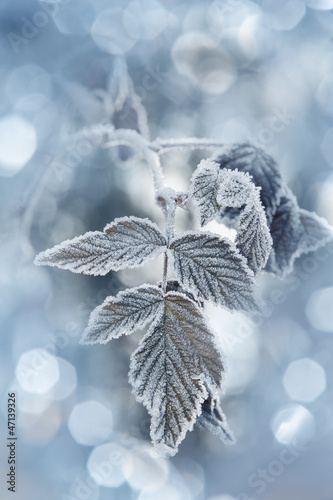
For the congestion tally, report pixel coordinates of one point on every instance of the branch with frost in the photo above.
(162, 146)
(177, 371)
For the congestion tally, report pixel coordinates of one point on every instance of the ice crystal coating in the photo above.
(171, 368)
(214, 189)
(234, 188)
(314, 231)
(253, 237)
(203, 190)
(295, 231)
(213, 419)
(285, 233)
(177, 369)
(213, 269)
(125, 243)
(261, 167)
(130, 310)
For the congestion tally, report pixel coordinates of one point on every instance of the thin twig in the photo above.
(161, 146)
(169, 214)
(165, 272)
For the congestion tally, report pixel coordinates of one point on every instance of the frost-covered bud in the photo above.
(181, 200)
(174, 286)
(161, 201)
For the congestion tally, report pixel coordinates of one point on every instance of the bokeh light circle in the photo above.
(90, 423)
(18, 143)
(293, 424)
(37, 371)
(304, 380)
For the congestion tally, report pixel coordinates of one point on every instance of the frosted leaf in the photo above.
(213, 189)
(213, 268)
(128, 111)
(295, 231)
(171, 368)
(314, 232)
(285, 231)
(130, 310)
(213, 419)
(203, 190)
(234, 188)
(125, 243)
(262, 168)
(132, 115)
(253, 237)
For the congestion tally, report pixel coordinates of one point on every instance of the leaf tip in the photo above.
(165, 450)
(42, 259)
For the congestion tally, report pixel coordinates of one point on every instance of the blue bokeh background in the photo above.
(232, 71)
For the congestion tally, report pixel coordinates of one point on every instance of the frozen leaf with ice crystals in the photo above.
(253, 238)
(88, 254)
(128, 111)
(234, 188)
(295, 231)
(203, 190)
(213, 419)
(131, 115)
(125, 243)
(314, 232)
(285, 231)
(262, 168)
(130, 310)
(213, 268)
(171, 368)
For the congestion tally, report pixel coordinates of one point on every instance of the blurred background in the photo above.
(232, 70)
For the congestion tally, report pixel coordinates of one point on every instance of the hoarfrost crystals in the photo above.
(177, 369)
(253, 238)
(127, 242)
(295, 231)
(130, 310)
(234, 188)
(169, 370)
(214, 269)
(261, 167)
(203, 190)
(213, 419)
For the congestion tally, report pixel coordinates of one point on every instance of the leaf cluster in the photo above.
(177, 370)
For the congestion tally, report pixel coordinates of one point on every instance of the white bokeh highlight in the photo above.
(293, 424)
(283, 14)
(106, 463)
(144, 471)
(319, 310)
(238, 341)
(37, 371)
(18, 143)
(165, 493)
(90, 423)
(319, 4)
(67, 381)
(209, 67)
(109, 33)
(304, 380)
(145, 19)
